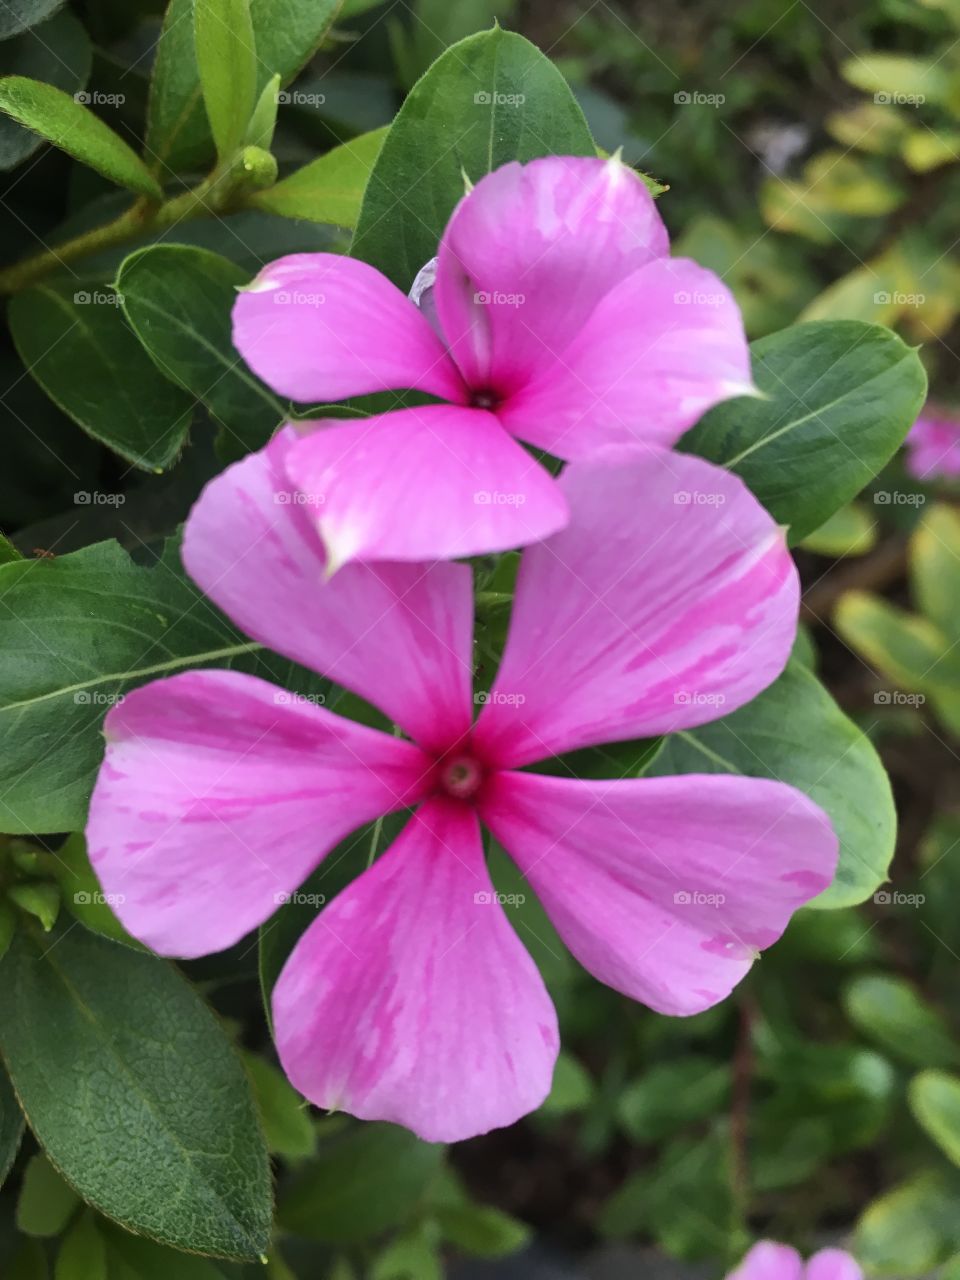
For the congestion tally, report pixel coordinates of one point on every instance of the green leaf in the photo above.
(286, 34)
(481, 1230)
(889, 1012)
(39, 900)
(82, 894)
(46, 1202)
(839, 398)
(133, 1258)
(57, 52)
(908, 649)
(328, 189)
(412, 1256)
(78, 347)
(672, 1095)
(29, 1262)
(79, 631)
(489, 99)
(263, 122)
(227, 65)
(167, 1143)
(11, 1125)
(848, 532)
(572, 1088)
(83, 1254)
(73, 128)
(18, 15)
(795, 732)
(910, 1229)
(363, 1182)
(934, 1100)
(178, 301)
(935, 569)
(285, 1116)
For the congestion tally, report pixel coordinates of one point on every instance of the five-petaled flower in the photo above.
(933, 445)
(410, 998)
(555, 317)
(769, 1261)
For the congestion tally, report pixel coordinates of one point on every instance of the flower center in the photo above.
(484, 399)
(461, 776)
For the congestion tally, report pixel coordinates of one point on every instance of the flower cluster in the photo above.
(410, 997)
(769, 1261)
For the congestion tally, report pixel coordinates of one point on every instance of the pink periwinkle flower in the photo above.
(769, 1261)
(670, 598)
(555, 317)
(933, 445)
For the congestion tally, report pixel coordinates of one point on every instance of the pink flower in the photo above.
(556, 318)
(769, 1261)
(933, 446)
(669, 599)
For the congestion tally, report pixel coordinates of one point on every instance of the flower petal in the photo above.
(219, 793)
(664, 888)
(529, 253)
(669, 599)
(423, 484)
(410, 997)
(660, 349)
(833, 1264)
(320, 326)
(400, 635)
(769, 1261)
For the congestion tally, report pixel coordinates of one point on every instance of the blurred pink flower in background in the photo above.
(555, 317)
(933, 445)
(769, 1261)
(669, 599)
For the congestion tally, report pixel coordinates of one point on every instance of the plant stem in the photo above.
(218, 193)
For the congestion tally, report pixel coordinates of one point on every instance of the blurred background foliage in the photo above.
(812, 156)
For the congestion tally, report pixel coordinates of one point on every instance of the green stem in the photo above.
(219, 193)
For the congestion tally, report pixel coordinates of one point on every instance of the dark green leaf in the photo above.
(78, 347)
(70, 125)
(18, 15)
(57, 52)
(840, 396)
(78, 631)
(795, 732)
(133, 1258)
(178, 301)
(890, 1012)
(482, 1230)
(490, 99)
(135, 1093)
(46, 1202)
(11, 1125)
(82, 1254)
(370, 1178)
